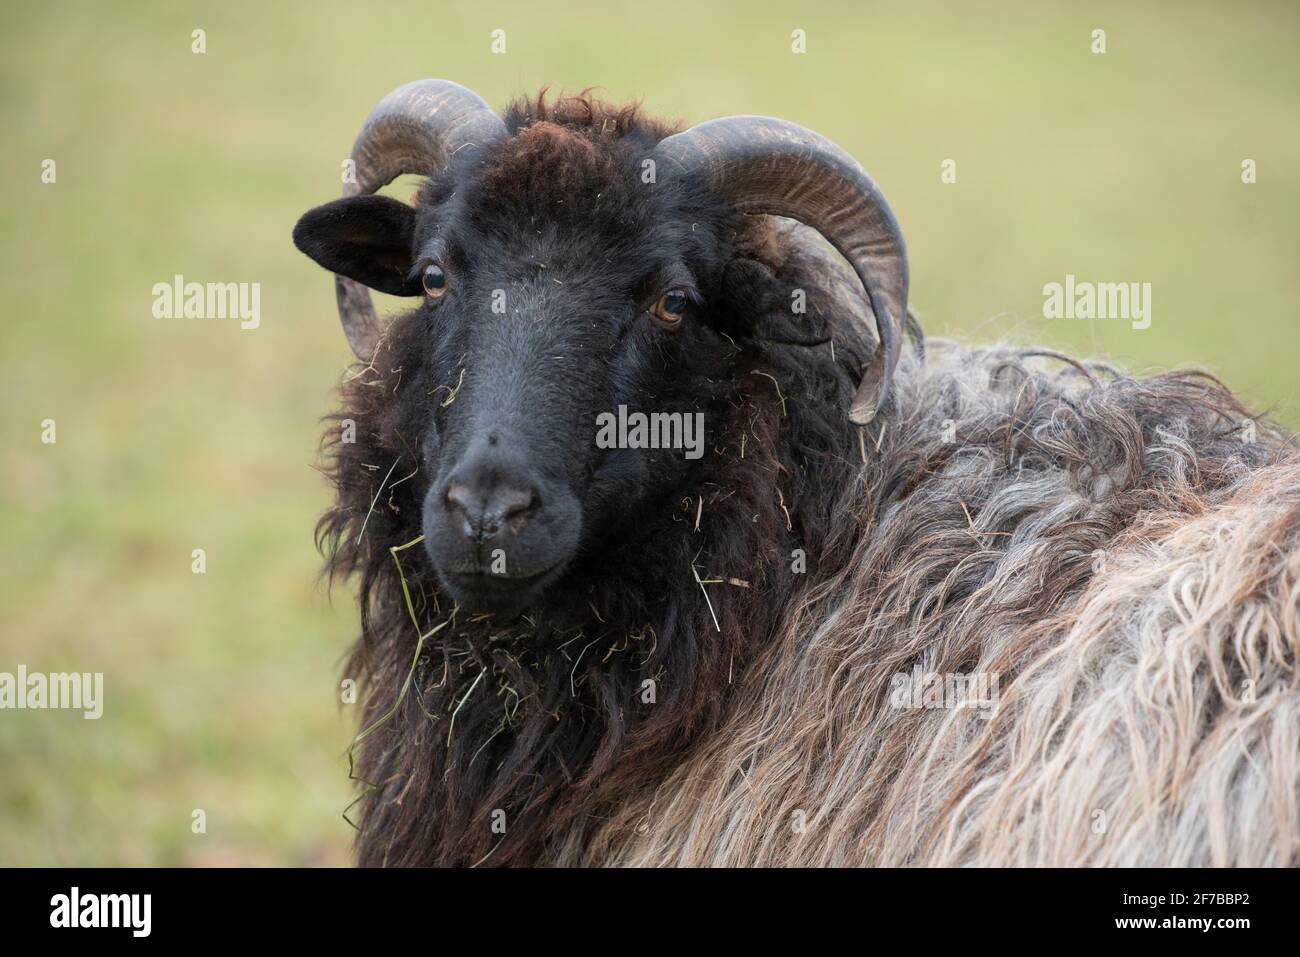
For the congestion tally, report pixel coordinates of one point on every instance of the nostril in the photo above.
(458, 498)
(462, 507)
(510, 509)
(514, 503)
(486, 512)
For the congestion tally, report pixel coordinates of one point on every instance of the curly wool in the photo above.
(1115, 554)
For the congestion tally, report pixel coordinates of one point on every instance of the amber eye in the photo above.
(434, 281)
(671, 307)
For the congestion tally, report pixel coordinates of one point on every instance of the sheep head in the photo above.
(563, 276)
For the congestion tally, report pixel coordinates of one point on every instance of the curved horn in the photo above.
(766, 165)
(414, 129)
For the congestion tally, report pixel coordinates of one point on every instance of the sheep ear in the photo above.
(365, 238)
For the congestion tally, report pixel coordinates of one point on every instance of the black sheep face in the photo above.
(558, 284)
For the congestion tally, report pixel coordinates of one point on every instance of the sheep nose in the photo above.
(498, 525)
(486, 504)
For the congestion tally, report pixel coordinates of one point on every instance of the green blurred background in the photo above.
(222, 689)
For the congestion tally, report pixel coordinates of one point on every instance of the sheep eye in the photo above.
(434, 281)
(671, 307)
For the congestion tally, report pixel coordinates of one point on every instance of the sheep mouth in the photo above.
(487, 592)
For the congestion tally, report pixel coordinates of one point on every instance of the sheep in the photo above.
(583, 655)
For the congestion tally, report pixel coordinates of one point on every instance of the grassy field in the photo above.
(222, 688)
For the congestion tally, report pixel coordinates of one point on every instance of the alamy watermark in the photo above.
(934, 691)
(653, 430)
(77, 691)
(130, 911)
(1098, 300)
(179, 299)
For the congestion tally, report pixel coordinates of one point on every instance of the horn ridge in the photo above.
(417, 128)
(764, 165)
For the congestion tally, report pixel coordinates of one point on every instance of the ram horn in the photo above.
(769, 166)
(417, 128)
